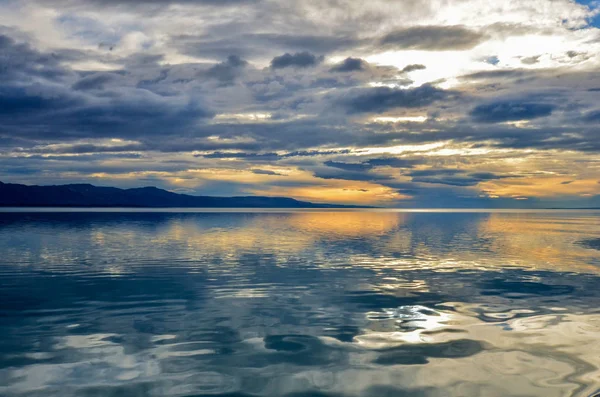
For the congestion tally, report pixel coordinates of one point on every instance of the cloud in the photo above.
(434, 172)
(239, 155)
(226, 72)
(18, 101)
(19, 61)
(124, 112)
(593, 116)
(441, 38)
(364, 176)
(350, 65)
(492, 60)
(531, 60)
(348, 166)
(265, 172)
(272, 155)
(498, 112)
(496, 74)
(372, 163)
(142, 3)
(413, 67)
(259, 45)
(96, 81)
(393, 162)
(365, 171)
(309, 43)
(41, 98)
(454, 177)
(299, 60)
(65, 97)
(381, 99)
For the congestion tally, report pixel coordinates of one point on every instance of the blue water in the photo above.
(299, 304)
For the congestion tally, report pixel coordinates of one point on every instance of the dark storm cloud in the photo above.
(350, 65)
(381, 99)
(438, 38)
(498, 112)
(299, 60)
(413, 67)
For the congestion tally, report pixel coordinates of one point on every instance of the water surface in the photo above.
(304, 303)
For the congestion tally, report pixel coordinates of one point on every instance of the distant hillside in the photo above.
(85, 195)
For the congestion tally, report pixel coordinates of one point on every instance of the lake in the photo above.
(299, 303)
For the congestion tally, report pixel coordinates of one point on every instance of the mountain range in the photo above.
(86, 195)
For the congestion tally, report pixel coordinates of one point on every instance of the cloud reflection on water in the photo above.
(299, 304)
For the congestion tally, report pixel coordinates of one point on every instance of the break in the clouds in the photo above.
(400, 103)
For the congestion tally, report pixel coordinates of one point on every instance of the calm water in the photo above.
(300, 304)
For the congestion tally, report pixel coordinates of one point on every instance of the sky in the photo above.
(408, 103)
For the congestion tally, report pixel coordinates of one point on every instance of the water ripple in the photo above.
(299, 304)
